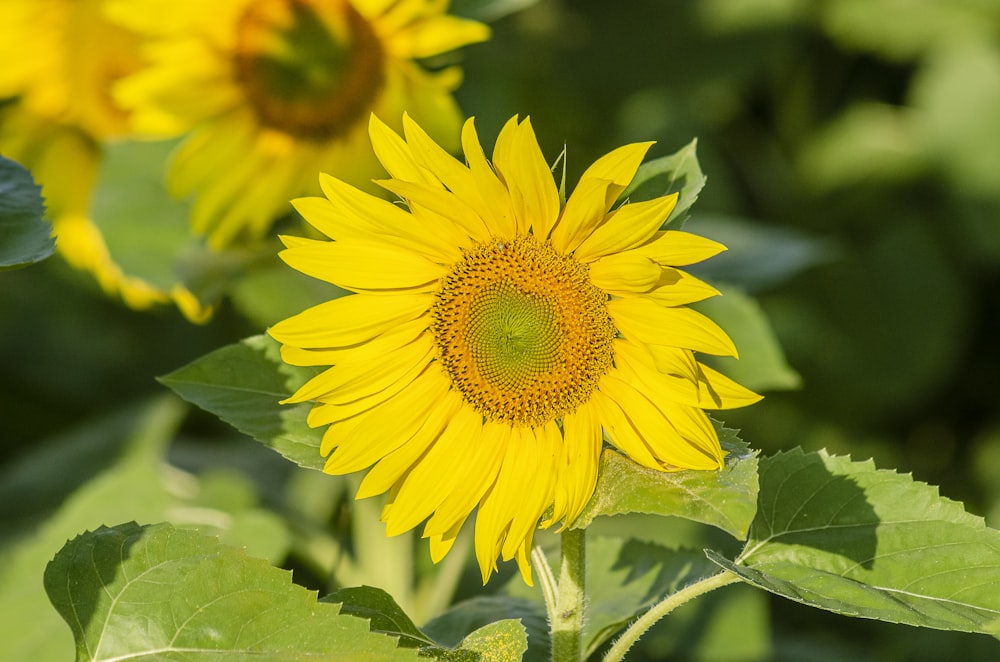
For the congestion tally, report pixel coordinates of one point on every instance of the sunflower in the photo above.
(61, 58)
(273, 91)
(497, 336)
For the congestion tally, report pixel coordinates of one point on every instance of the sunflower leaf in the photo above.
(677, 173)
(382, 612)
(243, 384)
(458, 627)
(134, 591)
(24, 237)
(725, 499)
(844, 536)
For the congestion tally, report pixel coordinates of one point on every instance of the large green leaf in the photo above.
(725, 499)
(844, 536)
(24, 237)
(155, 591)
(242, 384)
(677, 173)
(500, 641)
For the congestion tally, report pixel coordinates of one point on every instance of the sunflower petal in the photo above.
(642, 319)
(628, 227)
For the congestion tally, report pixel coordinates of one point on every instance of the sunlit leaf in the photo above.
(458, 626)
(725, 499)
(843, 536)
(132, 591)
(24, 237)
(500, 641)
(242, 384)
(677, 173)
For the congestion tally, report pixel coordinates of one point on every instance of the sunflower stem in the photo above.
(639, 627)
(566, 620)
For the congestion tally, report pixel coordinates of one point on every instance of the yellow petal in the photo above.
(629, 226)
(619, 429)
(625, 273)
(638, 366)
(385, 428)
(345, 383)
(502, 217)
(396, 156)
(598, 188)
(677, 248)
(460, 179)
(391, 468)
(519, 160)
(577, 464)
(477, 475)
(432, 37)
(641, 319)
(349, 320)
(658, 434)
(443, 203)
(363, 265)
(438, 471)
(586, 208)
(393, 339)
(716, 391)
(679, 288)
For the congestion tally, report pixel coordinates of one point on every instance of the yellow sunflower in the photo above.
(496, 337)
(60, 58)
(273, 91)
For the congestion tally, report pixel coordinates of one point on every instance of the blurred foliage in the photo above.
(852, 150)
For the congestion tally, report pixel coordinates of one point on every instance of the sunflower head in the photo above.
(497, 337)
(272, 91)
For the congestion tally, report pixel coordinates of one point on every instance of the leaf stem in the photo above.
(638, 628)
(566, 620)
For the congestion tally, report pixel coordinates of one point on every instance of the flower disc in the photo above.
(521, 331)
(307, 69)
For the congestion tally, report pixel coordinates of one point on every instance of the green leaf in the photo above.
(457, 627)
(725, 499)
(24, 237)
(132, 591)
(242, 384)
(678, 173)
(500, 641)
(762, 365)
(382, 612)
(846, 537)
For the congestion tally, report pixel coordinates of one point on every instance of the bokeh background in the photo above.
(852, 149)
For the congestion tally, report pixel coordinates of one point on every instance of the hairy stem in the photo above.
(566, 621)
(638, 628)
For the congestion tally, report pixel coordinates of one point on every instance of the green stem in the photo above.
(617, 652)
(566, 621)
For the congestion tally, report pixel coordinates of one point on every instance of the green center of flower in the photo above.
(521, 331)
(308, 68)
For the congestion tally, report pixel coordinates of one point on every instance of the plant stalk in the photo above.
(638, 628)
(566, 621)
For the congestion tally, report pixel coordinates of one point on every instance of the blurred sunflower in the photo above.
(275, 90)
(497, 336)
(60, 59)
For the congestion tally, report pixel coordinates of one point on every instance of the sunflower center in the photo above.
(521, 331)
(308, 68)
